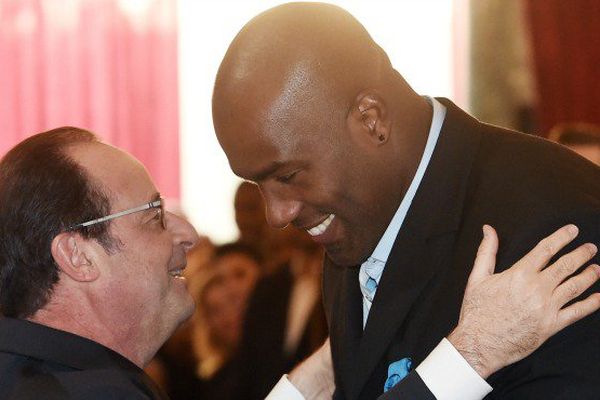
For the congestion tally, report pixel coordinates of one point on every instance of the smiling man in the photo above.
(90, 270)
(396, 186)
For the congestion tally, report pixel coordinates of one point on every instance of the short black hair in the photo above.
(43, 191)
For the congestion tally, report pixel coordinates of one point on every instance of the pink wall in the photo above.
(98, 66)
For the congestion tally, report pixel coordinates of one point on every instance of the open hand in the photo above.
(506, 316)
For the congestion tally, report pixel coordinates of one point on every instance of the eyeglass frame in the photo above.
(158, 203)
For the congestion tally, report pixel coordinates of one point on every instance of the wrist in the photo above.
(472, 350)
(311, 378)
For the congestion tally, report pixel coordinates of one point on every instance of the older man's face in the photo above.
(140, 287)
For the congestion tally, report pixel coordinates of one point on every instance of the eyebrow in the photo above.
(261, 175)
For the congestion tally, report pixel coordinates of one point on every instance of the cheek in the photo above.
(147, 271)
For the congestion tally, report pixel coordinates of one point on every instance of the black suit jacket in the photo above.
(262, 360)
(37, 362)
(525, 187)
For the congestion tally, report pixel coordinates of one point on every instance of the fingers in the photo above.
(577, 311)
(541, 254)
(569, 263)
(576, 285)
(485, 262)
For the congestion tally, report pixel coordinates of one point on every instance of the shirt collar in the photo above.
(384, 247)
(42, 342)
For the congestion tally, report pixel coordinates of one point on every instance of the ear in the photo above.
(68, 252)
(369, 118)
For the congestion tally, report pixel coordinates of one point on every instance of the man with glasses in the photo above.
(90, 270)
(91, 287)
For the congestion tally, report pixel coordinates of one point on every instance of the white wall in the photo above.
(417, 35)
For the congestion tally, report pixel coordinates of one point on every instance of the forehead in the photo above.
(124, 178)
(276, 134)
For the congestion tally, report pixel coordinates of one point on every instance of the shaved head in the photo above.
(290, 50)
(308, 106)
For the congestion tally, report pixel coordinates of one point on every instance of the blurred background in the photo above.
(140, 74)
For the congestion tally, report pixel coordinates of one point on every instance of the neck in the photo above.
(79, 317)
(413, 118)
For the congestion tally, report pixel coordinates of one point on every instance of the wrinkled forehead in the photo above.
(123, 178)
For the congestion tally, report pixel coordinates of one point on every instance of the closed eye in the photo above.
(286, 178)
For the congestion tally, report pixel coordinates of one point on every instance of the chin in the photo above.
(344, 257)
(185, 309)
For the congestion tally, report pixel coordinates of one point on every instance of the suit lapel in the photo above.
(436, 210)
(395, 296)
(346, 323)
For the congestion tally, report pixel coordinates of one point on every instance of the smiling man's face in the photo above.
(140, 292)
(310, 171)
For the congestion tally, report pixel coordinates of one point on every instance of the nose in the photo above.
(280, 212)
(184, 234)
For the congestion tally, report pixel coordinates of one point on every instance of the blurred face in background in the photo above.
(250, 214)
(226, 297)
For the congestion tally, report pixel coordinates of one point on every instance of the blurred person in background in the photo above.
(173, 367)
(582, 138)
(250, 217)
(285, 322)
(198, 359)
(221, 306)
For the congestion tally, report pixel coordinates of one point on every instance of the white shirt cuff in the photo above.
(284, 390)
(450, 377)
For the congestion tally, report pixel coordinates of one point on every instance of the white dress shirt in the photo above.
(445, 372)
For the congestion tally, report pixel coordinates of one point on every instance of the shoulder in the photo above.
(510, 153)
(109, 384)
(76, 385)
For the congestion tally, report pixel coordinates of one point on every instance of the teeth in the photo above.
(178, 273)
(322, 227)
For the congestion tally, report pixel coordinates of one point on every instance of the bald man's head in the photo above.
(299, 47)
(308, 106)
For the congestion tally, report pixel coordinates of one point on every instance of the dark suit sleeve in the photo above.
(567, 366)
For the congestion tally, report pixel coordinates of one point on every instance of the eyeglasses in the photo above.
(153, 204)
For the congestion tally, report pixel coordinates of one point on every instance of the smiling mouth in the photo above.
(322, 227)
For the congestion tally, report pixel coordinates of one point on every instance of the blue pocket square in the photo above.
(396, 372)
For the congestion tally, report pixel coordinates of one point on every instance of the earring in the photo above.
(381, 137)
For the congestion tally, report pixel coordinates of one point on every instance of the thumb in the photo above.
(485, 262)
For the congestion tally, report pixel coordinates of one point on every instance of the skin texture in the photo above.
(334, 124)
(126, 299)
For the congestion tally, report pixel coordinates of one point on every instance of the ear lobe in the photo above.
(69, 255)
(369, 115)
